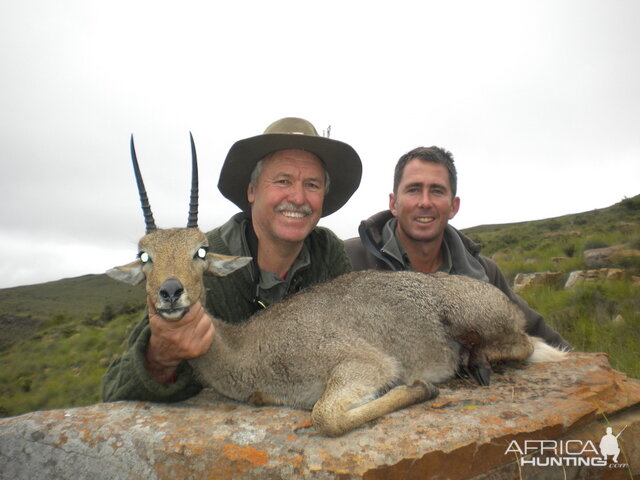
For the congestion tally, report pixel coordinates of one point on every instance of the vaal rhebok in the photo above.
(352, 349)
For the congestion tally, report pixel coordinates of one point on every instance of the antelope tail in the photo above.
(545, 353)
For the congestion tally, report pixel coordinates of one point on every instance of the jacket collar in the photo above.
(462, 248)
(370, 231)
(373, 226)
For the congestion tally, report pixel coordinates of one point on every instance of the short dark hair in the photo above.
(427, 154)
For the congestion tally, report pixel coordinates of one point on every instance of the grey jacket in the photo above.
(366, 252)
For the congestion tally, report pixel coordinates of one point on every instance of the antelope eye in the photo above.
(144, 257)
(201, 253)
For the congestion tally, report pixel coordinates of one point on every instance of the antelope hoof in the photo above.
(427, 390)
(481, 373)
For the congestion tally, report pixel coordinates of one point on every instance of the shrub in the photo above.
(596, 242)
(552, 225)
(569, 250)
(631, 203)
(107, 314)
(635, 242)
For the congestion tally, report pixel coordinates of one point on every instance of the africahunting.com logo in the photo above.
(569, 453)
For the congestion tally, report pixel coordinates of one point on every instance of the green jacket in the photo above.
(230, 299)
(367, 252)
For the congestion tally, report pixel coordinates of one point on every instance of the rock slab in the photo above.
(523, 281)
(580, 277)
(608, 256)
(466, 432)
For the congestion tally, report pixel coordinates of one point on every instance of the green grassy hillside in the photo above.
(533, 246)
(61, 364)
(58, 338)
(23, 309)
(75, 297)
(603, 317)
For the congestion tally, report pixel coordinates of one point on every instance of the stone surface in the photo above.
(573, 233)
(525, 280)
(579, 277)
(618, 320)
(608, 256)
(463, 433)
(501, 257)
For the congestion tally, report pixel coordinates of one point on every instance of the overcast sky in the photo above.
(539, 101)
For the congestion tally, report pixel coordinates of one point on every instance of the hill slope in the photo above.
(532, 246)
(23, 309)
(77, 297)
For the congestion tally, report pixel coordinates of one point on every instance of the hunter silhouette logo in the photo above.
(569, 453)
(609, 444)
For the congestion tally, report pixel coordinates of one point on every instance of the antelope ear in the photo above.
(131, 273)
(222, 265)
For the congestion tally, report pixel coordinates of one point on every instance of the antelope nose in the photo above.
(171, 290)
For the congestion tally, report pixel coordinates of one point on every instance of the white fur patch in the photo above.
(545, 353)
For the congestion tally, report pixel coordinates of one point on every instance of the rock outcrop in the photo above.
(466, 432)
(522, 281)
(526, 280)
(579, 277)
(609, 256)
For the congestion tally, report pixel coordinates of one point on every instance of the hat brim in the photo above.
(340, 160)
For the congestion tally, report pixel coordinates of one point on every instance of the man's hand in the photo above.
(172, 342)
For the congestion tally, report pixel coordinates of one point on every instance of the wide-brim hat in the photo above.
(340, 160)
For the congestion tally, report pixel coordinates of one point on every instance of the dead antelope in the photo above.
(351, 350)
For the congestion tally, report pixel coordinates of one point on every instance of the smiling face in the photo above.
(423, 203)
(286, 200)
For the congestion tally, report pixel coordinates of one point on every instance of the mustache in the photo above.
(290, 207)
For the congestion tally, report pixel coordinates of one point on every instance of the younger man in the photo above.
(414, 234)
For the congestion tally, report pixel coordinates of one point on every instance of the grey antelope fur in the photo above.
(352, 349)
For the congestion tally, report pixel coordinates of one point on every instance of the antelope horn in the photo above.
(146, 208)
(193, 203)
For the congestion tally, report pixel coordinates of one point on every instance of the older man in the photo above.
(284, 181)
(414, 234)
